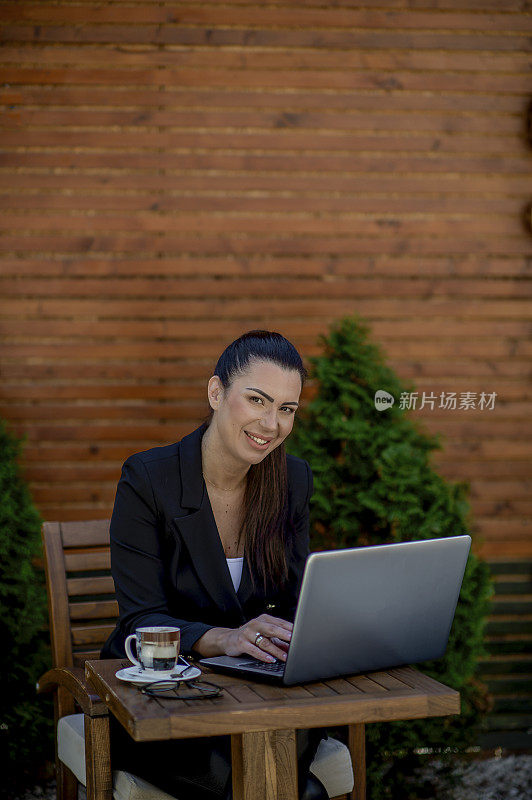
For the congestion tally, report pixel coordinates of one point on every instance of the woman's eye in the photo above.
(285, 408)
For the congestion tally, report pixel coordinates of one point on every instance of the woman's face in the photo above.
(261, 403)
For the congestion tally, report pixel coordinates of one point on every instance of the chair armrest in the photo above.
(73, 680)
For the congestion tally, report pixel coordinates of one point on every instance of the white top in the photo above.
(235, 568)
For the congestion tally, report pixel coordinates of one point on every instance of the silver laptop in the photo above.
(367, 608)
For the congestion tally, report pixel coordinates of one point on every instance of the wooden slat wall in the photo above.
(173, 174)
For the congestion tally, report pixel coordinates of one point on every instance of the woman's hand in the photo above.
(276, 634)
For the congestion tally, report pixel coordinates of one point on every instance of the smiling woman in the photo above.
(211, 534)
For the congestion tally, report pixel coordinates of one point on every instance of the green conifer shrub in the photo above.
(374, 483)
(25, 719)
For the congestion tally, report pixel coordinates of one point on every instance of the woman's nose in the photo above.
(269, 419)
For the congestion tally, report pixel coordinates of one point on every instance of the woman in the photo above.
(211, 534)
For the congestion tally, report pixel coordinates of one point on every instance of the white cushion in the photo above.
(129, 787)
(331, 765)
(71, 751)
(71, 745)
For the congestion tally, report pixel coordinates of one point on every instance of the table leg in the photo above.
(357, 748)
(264, 765)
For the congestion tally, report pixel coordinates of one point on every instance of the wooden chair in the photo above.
(83, 611)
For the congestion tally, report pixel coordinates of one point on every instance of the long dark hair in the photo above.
(265, 522)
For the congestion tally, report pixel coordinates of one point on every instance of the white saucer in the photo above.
(136, 675)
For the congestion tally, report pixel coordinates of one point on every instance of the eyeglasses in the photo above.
(177, 690)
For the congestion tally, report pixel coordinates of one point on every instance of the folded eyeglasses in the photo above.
(178, 690)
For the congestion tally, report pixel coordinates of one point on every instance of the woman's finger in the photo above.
(274, 631)
(280, 623)
(268, 646)
(267, 652)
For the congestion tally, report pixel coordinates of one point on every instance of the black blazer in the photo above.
(167, 559)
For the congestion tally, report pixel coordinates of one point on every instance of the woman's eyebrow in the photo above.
(267, 396)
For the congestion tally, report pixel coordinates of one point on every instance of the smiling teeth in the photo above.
(259, 441)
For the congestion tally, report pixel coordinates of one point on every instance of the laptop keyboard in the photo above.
(277, 667)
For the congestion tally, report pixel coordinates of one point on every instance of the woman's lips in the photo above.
(256, 445)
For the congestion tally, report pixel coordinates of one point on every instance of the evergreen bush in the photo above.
(25, 719)
(374, 483)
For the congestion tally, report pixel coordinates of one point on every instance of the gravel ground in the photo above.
(508, 778)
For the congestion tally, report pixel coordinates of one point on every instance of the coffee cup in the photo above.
(157, 650)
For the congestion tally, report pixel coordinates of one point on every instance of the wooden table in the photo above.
(262, 718)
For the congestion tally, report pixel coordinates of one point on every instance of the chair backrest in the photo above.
(81, 593)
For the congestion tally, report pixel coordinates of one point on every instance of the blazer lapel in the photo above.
(198, 528)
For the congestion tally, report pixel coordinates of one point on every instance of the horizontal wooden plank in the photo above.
(502, 508)
(90, 586)
(140, 370)
(244, 222)
(275, 37)
(194, 180)
(248, 243)
(484, 317)
(139, 351)
(434, 81)
(510, 6)
(93, 533)
(90, 634)
(252, 58)
(489, 318)
(494, 369)
(513, 585)
(514, 607)
(506, 665)
(494, 449)
(396, 268)
(433, 292)
(514, 529)
(86, 560)
(520, 627)
(179, 97)
(238, 14)
(492, 364)
(111, 151)
(505, 567)
(485, 470)
(68, 493)
(98, 610)
(517, 685)
(261, 129)
(76, 201)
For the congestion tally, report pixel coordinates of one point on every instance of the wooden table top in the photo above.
(246, 705)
